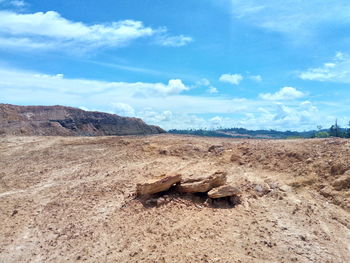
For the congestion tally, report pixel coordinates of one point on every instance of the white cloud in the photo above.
(123, 109)
(298, 18)
(163, 103)
(18, 87)
(303, 114)
(285, 93)
(337, 70)
(50, 30)
(174, 87)
(84, 108)
(174, 41)
(18, 3)
(234, 79)
(212, 90)
(256, 78)
(53, 27)
(216, 120)
(23, 43)
(58, 83)
(300, 116)
(159, 118)
(203, 82)
(14, 3)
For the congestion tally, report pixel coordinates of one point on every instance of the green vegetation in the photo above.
(334, 131)
(244, 133)
(322, 134)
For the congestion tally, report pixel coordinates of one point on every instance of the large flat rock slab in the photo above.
(202, 185)
(157, 185)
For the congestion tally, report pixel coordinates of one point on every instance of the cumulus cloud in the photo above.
(155, 117)
(14, 3)
(51, 30)
(123, 109)
(18, 86)
(216, 120)
(58, 83)
(212, 90)
(174, 41)
(174, 87)
(302, 114)
(53, 27)
(256, 78)
(203, 82)
(285, 93)
(298, 116)
(293, 17)
(17, 3)
(234, 79)
(84, 108)
(336, 70)
(163, 104)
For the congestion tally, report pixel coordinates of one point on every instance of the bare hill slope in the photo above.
(71, 199)
(68, 121)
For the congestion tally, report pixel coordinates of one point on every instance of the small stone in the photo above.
(285, 188)
(223, 191)
(151, 201)
(236, 158)
(235, 200)
(216, 149)
(272, 185)
(15, 212)
(342, 183)
(161, 201)
(163, 152)
(309, 160)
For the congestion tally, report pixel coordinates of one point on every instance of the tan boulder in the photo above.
(157, 185)
(202, 185)
(223, 191)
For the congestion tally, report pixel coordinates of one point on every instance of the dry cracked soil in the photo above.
(71, 199)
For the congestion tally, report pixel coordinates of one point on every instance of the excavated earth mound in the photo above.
(72, 199)
(68, 121)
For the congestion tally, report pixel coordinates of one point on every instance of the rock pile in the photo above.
(215, 186)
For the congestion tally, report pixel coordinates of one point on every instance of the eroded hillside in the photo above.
(67, 199)
(68, 121)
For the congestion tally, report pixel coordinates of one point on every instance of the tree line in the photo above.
(334, 131)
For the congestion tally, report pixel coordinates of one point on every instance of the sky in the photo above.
(272, 64)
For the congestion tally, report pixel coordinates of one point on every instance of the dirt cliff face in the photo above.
(68, 121)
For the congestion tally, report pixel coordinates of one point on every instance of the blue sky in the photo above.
(273, 64)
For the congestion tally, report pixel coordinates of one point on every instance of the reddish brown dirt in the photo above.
(70, 199)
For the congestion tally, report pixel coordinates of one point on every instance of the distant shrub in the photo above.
(294, 137)
(322, 134)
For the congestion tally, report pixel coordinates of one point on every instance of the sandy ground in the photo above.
(71, 199)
